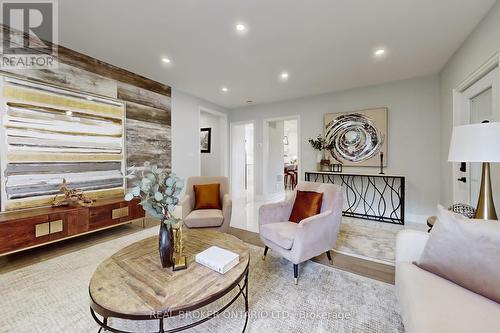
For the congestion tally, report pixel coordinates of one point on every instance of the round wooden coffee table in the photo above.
(132, 285)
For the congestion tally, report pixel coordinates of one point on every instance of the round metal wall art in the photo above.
(354, 137)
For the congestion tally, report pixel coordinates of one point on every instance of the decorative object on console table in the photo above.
(325, 165)
(368, 196)
(322, 147)
(355, 138)
(336, 167)
(478, 143)
(381, 163)
(159, 193)
(205, 140)
(71, 197)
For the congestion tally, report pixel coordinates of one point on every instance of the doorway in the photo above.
(281, 156)
(477, 103)
(242, 162)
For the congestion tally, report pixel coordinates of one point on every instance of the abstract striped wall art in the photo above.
(48, 134)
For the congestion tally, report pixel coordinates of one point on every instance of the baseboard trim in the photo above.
(416, 218)
(379, 261)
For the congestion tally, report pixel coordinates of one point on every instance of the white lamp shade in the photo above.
(475, 143)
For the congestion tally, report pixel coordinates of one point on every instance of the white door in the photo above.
(478, 103)
(242, 178)
(274, 158)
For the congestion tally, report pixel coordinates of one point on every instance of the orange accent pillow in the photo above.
(307, 204)
(207, 196)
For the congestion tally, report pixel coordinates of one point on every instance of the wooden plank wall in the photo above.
(147, 102)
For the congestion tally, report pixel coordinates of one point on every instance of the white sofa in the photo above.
(429, 303)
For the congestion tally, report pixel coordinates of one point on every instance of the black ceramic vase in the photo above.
(166, 245)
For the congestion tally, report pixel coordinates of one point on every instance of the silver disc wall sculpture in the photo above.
(355, 137)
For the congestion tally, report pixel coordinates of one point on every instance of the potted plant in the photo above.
(159, 193)
(322, 146)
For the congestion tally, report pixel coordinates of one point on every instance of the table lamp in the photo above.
(478, 143)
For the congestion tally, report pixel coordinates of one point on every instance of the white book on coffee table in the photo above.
(218, 259)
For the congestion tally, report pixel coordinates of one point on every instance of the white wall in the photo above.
(212, 164)
(414, 133)
(185, 132)
(483, 42)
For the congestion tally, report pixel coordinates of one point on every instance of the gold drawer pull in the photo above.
(56, 226)
(119, 212)
(42, 229)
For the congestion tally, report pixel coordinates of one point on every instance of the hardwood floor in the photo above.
(374, 270)
(15, 261)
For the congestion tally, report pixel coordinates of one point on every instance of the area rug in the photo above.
(52, 296)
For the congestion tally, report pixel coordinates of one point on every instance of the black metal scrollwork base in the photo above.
(370, 197)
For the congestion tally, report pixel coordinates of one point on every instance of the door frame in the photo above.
(461, 98)
(231, 126)
(223, 121)
(265, 149)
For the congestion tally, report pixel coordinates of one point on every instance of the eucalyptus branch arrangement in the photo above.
(158, 190)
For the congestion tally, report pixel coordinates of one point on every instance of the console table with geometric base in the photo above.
(368, 196)
(132, 284)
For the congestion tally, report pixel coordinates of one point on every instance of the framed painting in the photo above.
(205, 140)
(49, 134)
(357, 138)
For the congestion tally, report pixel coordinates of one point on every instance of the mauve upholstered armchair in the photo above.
(206, 218)
(309, 238)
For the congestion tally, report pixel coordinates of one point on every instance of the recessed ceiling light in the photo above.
(240, 27)
(284, 76)
(69, 113)
(166, 60)
(379, 52)
(224, 89)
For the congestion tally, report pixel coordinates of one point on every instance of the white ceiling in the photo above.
(325, 45)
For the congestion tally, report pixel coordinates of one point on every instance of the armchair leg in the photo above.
(296, 273)
(329, 255)
(265, 253)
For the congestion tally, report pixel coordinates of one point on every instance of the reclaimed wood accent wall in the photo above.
(79, 84)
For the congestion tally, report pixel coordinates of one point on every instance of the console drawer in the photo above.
(22, 233)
